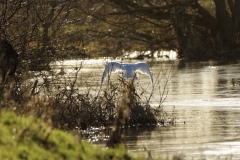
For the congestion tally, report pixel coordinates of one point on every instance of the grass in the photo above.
(31, 138)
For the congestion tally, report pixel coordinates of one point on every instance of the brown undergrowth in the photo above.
(118, 104)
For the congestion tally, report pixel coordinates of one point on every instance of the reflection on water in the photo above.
(207, 107)
(207, 133)
(208, 104)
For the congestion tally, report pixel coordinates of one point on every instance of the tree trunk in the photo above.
(237, 16)
(225, 34)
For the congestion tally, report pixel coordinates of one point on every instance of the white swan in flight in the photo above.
(129, 70)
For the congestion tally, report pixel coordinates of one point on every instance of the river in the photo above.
(206, 107)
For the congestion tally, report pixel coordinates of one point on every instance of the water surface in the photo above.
(207, 107)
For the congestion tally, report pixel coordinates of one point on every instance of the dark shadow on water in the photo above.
(132, 134)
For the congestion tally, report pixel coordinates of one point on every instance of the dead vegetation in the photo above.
(119, 104)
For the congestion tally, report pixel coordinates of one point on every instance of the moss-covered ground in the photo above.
(31, 138)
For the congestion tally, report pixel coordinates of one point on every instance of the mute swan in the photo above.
(128, 69)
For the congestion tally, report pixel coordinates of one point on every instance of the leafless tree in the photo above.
(192, 28)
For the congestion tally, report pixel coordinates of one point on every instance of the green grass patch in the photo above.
(31, 138)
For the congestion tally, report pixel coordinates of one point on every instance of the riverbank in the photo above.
(31, 138)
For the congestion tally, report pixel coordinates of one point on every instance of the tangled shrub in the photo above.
(68, 108)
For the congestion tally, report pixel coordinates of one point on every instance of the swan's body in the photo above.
(129, 70)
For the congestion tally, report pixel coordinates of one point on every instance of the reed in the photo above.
(121, 103)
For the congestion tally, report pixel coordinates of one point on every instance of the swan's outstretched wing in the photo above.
(111, 67)
(144, 69)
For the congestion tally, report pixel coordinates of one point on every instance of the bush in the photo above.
(68, 108)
